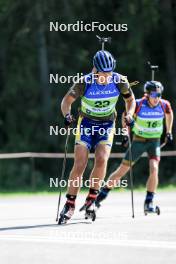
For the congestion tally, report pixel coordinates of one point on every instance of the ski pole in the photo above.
(102, 40)
(163, 145)
(63, 173)
(131, 174)
(153, 69)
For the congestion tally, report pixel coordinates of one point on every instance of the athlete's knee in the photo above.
(154, 166)
(101, 159)
(79, 166)
(154, 170)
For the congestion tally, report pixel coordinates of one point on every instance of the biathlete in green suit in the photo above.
(149, 115)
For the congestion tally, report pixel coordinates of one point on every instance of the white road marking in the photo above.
(108, 242)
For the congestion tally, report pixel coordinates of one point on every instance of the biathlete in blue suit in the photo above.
(99, 92)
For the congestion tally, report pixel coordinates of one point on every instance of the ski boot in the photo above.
(66, 213)
(89, 208)
(149, 208)
(101, 196)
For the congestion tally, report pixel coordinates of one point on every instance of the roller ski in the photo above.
(149, 208)
(89, 208)
(66, 213)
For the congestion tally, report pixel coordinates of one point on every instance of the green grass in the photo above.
(4, 193)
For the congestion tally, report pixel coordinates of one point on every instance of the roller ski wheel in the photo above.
(157, 210)
(62, 220)
(90, 214)
(89, 208)
(66, 214)
(150, 209)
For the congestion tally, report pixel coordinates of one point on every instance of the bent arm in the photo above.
(128, 96)
(74, 92)
(130, 104)
(66, 103)
(169, 121)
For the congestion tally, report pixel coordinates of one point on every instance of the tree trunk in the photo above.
(43, 65)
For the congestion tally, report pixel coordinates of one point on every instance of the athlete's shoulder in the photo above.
(166, 105)
(122, 83)
(164, 101)
(141, 100)
(77, 89)
(139, 103)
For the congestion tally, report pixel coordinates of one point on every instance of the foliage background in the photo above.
(29, 52)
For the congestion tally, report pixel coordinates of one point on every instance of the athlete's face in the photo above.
(154, 97)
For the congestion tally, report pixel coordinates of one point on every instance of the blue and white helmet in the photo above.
(103, 61)
(153, 86)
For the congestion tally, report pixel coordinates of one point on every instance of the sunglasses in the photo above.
(155, 94)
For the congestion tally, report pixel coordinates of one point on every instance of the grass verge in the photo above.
(168, 188)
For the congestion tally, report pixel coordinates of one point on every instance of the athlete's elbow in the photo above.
(170, 115)
(64, 104)
(133, 98)
(131, 101)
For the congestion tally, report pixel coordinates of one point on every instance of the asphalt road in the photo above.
(29, 234)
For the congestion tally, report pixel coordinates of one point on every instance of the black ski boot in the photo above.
(66, 213)
(89, 206)
(90, 210)
(101, 196)
(68, 209)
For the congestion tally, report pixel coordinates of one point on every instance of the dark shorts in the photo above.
(90, 133)
(138, 148)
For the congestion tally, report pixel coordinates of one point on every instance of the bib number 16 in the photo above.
(152, 124)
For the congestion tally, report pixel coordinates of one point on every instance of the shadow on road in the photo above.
(42, 226)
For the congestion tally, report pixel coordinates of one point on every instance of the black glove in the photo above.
(169, 138)
(125, 141)
(68, 119)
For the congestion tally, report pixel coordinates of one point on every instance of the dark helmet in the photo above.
(150, 86)
(104, 61)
